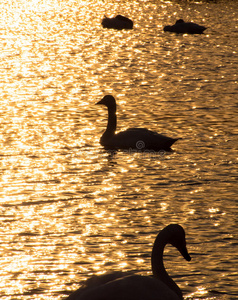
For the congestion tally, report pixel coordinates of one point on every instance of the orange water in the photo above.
(68, 208)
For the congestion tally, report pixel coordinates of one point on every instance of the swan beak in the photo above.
(99, 102)
(185, 254)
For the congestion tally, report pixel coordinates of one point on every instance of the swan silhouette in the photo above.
(121, 286)
(185, 27)
(133, 138)
(119, 22)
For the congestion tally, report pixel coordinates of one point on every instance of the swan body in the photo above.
(119, 22)
(185, 27)
(133, 138)
(119, 285)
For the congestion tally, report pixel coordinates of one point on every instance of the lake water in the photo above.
(69, 209)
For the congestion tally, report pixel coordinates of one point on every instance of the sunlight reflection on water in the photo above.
(70, 209)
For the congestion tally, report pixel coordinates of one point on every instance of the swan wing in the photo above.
(119, 22)
(194, 28)
(141, 139)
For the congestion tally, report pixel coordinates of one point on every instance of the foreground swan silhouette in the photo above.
(185, 27)
(132, 138)
(120, 286)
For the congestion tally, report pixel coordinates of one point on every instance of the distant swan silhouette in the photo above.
(185, 27)
(160, 286)
(119, 22)
(132, 138)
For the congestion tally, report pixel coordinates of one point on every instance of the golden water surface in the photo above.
(68, 208)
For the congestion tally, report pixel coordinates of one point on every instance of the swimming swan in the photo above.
(132, 138)
(119, 22)
(135, 287)
(185, 27)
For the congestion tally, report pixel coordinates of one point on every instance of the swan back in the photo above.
(134, 287)
(185, 27)
(119, 22)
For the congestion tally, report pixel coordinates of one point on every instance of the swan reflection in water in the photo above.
(121, 286)
(133, 138)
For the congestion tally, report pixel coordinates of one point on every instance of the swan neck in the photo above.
(158, 268)
(111, 125)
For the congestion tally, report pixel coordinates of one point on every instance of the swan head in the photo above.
(175, 235)
(167, 28)
(109, 101)
(179, 21)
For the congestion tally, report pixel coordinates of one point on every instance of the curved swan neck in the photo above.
(111, 124)
(158, 268)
